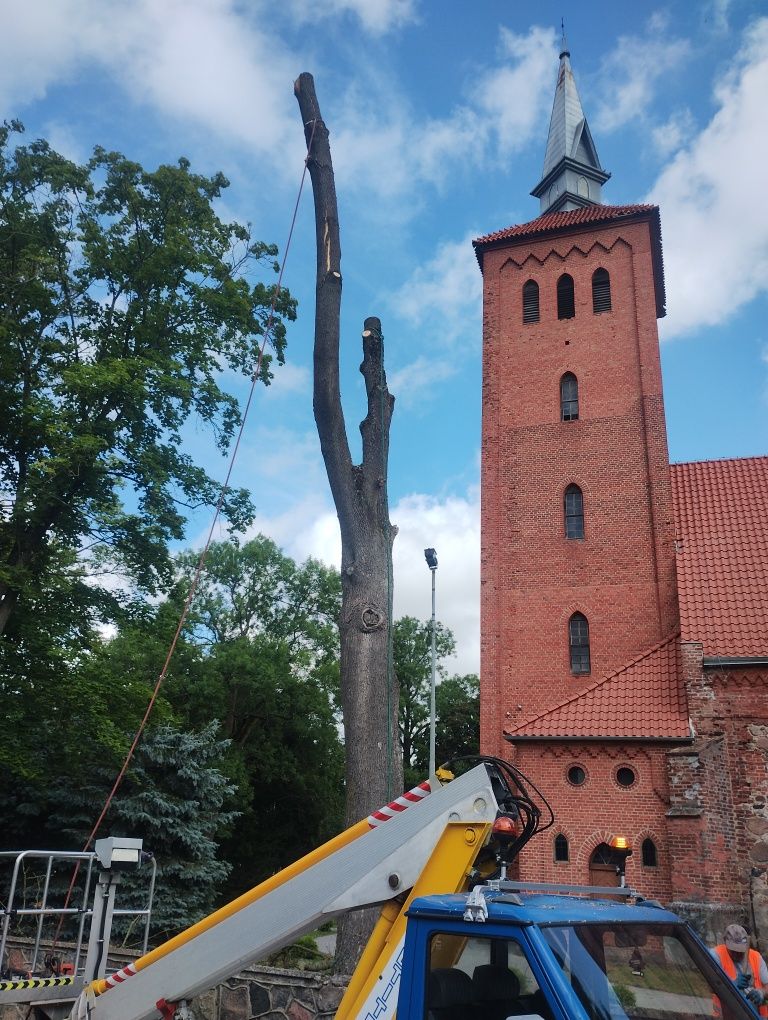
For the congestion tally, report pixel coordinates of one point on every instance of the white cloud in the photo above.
(415, 384)
(450, 525)
(717, 14)
(217, 65)
(288, 379)
(674, 133)
(514, 96)
(201, 60)
(443, 296)
(503, 110)
(632, 72)
(376, 16)
(715, 222)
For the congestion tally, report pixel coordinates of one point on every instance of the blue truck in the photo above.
(557, 957)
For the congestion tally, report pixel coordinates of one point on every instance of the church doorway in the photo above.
(604, 866)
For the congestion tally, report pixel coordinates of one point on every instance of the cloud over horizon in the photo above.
(711, 185)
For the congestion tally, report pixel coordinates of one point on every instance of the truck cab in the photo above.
(557, 957)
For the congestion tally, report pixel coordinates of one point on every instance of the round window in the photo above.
(576, 775)
(625, 776)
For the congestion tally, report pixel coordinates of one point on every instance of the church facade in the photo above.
(624, 600)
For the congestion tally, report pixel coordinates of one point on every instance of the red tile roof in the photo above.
(590, 214)
(575, 219)
(721, 516)
(644, 700)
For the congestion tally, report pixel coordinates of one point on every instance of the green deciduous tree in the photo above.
(266, 629)
(122, 297)
(457, 708)
(413, 669)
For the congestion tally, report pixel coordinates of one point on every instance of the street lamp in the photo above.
(431, 557)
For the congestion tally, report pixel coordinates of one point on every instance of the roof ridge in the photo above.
(719, 460)
(592, 211)
(598, 683)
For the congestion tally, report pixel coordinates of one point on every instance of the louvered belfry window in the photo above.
(566, 303)
(531, 301)
(601, 291)
(578, 639)
(569, 397)
(573, 505)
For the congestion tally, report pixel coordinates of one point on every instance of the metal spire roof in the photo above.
(572, 175)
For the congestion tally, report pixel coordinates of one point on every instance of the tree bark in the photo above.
(368, 687)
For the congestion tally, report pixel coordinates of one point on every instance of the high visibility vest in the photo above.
(753, 958)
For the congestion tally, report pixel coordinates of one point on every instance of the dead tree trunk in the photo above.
(368, 689)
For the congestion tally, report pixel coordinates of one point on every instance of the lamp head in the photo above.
(431, 557)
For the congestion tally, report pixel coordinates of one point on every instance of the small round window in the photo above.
(625, 776)
(576, 775)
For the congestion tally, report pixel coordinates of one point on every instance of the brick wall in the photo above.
(533, 578)
(599, 809)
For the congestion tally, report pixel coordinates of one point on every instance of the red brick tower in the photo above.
(578, 568)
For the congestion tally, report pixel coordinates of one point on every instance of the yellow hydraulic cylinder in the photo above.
(447, 871)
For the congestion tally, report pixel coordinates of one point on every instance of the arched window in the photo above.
(582, 187)
(569, 397)
(601, 291)
(573, 507)
(578, 640)
(531, 301)
(566, 307)
(649, 854)
(561, 848)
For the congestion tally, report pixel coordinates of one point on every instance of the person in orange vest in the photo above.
(744, 966)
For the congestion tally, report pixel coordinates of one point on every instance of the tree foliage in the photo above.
(267, 635)
(122, 297)
(413, 669)
(457, 708)
(176, 798)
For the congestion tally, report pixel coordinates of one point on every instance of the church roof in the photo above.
(721, 516)
(643, 700)
(557, 221)
(573, 221)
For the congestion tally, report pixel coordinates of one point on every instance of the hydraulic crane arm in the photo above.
(361, 867)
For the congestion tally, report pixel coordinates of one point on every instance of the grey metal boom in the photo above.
(371, 869)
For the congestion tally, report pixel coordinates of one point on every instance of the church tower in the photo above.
(577, 568)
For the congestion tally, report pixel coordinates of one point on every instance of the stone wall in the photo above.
(267, 993)
(718, 816)
(271, 994)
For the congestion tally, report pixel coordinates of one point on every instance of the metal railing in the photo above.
(43, 909)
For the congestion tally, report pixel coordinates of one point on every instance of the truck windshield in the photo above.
(643, 972)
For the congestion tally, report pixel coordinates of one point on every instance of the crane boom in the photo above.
(362, 867)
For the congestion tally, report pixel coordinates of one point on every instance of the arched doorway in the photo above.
(604, 866)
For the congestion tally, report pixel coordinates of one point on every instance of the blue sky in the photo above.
(438, 112)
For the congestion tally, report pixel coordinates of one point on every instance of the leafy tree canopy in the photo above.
(267, 632)
(122, 297)
(176, 798)
(457, 709)
(412, 651)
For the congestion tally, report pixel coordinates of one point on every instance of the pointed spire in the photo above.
(572, 175)
(564, 51)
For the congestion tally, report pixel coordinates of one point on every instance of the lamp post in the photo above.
(431, 557)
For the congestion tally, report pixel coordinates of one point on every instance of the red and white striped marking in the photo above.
(395, 807)
(120, 976)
